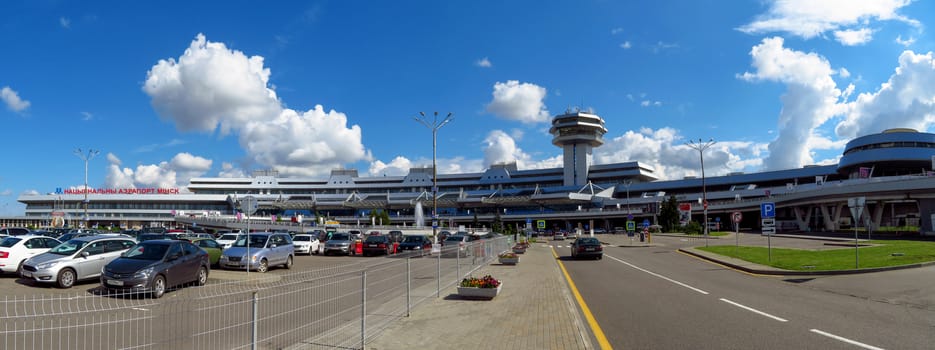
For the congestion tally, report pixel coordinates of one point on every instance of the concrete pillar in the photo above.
(877, 216)
(802, 218)
(827, 220)
(926, 211)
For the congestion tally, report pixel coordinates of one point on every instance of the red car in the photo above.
(377, 245)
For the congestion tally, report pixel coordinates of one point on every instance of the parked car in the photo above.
(14, 231)
(377, 245)
(339, 243)
(587, 247)
(395, 236)
(210, 246)
(14, 250)
(559, 236)
(75, 233)
(152, 236)
(154, 266)
(306, 244)
(265, 249)
(419, 243)
(77, 259)
(227, 239)
(457, 244)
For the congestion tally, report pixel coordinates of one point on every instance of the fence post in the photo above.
(363, 308)
(458, 263)
(438, 274)
(408, 286)
(255, 317)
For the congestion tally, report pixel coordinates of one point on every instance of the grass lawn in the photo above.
(710, 233)
(880, 255)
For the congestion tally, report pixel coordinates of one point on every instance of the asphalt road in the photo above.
(652, 297)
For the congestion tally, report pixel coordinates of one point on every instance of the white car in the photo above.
(307, 244)
(14, 250)
(227, 239)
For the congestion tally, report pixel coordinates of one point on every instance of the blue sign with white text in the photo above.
(768, 210)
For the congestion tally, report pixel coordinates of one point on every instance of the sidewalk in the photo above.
(534, 310)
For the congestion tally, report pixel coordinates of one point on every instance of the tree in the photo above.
(669, 214)
(497, 225)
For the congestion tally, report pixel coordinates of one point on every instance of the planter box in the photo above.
(479, 293)
(509, 261)
(519, 250)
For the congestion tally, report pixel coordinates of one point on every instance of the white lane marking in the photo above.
(658, 275)
(843, 339)
(754, 310)
(140, 309)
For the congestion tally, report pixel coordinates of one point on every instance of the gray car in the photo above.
(340, 243)
(265, 250)
(77, 259)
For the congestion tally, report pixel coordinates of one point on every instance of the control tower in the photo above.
(577, 132)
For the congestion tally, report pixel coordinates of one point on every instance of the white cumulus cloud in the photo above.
(12, 100)
(211, 87)
(854, 37)
(809, 18)
(811, 98)
(523, 102)
(484, 62)
(906, 100)
(175, 173)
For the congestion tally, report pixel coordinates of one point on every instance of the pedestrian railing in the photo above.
(335, 308)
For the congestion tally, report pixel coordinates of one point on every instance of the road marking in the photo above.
(595, 328)
(843, 339)
(658, 275)
(754, 310)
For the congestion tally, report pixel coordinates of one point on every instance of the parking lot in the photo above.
(13, 286)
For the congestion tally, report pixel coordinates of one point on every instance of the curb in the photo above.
(778, 272)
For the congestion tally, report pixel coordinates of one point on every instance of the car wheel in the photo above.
(288, 264)
(202, 276)
(599, 257)
(19, 269)
(264, 266)
(66, 278)
(159, 287)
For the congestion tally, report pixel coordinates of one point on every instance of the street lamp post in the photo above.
(86, 157)
(627, 185)
(434, 126)
(701, 146)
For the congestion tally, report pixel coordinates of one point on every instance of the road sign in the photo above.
(540, 223)
(736, 216)
(705, 205)
(717, 219)
(248, 205)
(631, 225)
(645, 222)
(768, 210)
(857, 207)
(629, 216)
(769, 230)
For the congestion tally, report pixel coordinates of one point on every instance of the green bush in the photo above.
(693, 228)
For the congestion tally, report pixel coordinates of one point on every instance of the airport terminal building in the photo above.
(891, 171)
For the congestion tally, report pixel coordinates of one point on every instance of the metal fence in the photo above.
(336, 308)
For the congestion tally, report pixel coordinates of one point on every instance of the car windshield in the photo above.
(145, 251)
(255, 241)
(340, 237)
(414, 239)
(302, 238)
(588, 241)
(9, 242)
(230, 237)
(455, 238)
(68, 248)
(376, 239)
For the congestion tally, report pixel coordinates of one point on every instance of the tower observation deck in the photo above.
(577, 133)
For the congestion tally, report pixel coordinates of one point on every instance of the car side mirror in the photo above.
(85, 254)
(174, 256)
(273, 245)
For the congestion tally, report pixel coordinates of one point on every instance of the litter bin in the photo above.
(642, 236)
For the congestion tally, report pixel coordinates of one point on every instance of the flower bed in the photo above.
(508, 258)
(485, 287)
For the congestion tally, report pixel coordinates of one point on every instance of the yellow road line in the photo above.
(595, 328)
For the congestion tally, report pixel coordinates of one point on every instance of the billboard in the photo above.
(685, 213)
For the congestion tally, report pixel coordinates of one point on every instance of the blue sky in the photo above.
(167, 90)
